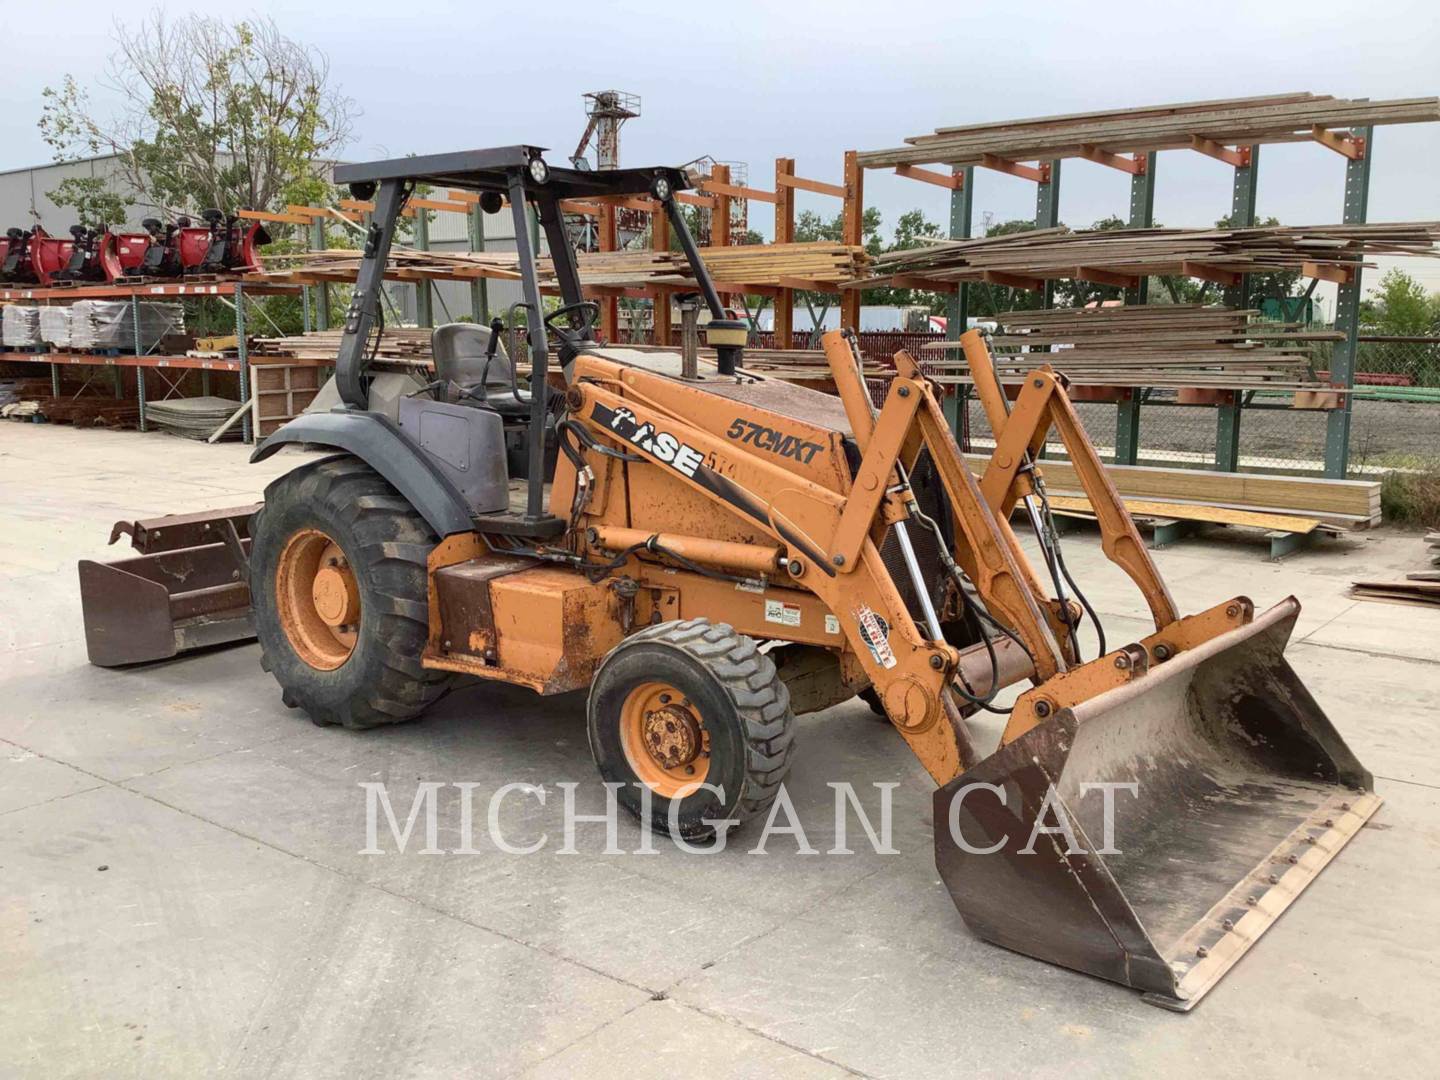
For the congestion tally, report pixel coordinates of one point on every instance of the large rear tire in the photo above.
(339, 587)
(688, 702)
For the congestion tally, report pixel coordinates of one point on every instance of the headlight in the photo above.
(539, 171)
(660, 188)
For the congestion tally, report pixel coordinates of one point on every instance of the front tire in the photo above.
(687, 702)
(338, 581)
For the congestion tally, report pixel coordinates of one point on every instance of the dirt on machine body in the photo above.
(642, 525)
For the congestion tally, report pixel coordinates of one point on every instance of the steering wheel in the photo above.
(580, 318)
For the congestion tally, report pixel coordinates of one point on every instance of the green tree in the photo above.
(911, 231)
(210, 114)
(1401, 306)
(95, 202)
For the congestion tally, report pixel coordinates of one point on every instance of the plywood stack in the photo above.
(1241, 121)
(1156, 345)
(1123, 256)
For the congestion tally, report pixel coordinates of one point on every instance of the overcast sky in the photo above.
(752, 81)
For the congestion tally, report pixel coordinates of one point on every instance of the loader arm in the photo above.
(908, 670)
(832, 537)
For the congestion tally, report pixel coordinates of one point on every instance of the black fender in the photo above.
(377, 440)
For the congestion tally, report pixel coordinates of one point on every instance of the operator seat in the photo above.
(469, 376)
(466, 374)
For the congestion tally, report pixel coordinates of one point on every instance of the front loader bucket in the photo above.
(1243, 793)
(186, 589)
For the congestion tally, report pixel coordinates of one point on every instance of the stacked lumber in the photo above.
(1334, 504)
(1421, 588)
(404, 264)
(1155, 511)
(397, 343)
(1243, 121)
(819, 262)
(822, 264)
(1124, 256)
(1162, 345)
(1415, 589)
(790, 365)
(410, 347)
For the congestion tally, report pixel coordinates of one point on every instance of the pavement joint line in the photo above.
(388, 891)
(415, 901)
(1410, 783)
(784, 921)
(734, 1022)
(52, 799)
(1371, 652)
(532, 1066)
(200, 760)
(1327, 622)
(319, 865)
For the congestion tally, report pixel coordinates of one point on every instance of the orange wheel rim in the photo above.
(664, 738)
(318, 599)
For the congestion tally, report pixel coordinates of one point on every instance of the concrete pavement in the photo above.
(183, 893)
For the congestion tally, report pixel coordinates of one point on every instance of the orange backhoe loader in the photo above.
(640, 525)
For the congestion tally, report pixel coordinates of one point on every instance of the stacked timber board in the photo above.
(404, 264)
(1124, 256)
(1254, 499)
(791, 365)
(807, 265)
(410, 346)
(1415, 589)
(1157, 345)
(1421, 587)
(396, 343)
(748, 264)
(1243, 121)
